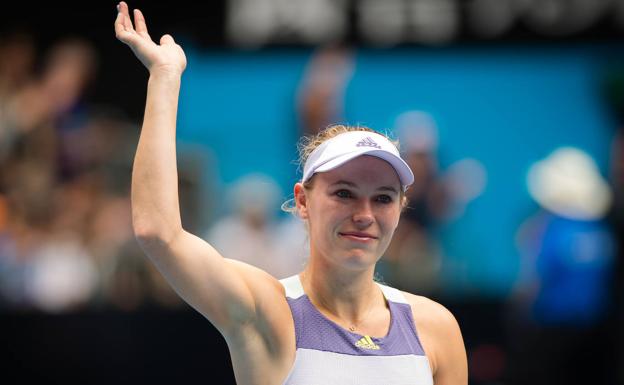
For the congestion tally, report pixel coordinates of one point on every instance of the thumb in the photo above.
(166, 39)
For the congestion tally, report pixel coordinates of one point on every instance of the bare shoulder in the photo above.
(258, 279)
(441, 337)
(272, 310)
(270, 338)
(429, 313)
(269, 295)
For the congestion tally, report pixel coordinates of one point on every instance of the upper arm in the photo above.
(452, 365)
(226, 292)
(442, 340)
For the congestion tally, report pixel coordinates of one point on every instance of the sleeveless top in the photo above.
(330, 354)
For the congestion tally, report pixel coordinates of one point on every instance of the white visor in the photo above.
(340, 149)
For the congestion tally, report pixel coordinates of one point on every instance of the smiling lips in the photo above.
(358, 236)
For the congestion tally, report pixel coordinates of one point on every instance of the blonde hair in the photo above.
(307, 144)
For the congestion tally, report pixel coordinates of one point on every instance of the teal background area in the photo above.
(506, 107)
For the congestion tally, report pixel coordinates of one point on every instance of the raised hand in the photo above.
(167, 57)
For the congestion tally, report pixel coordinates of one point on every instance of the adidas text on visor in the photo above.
(342, 148)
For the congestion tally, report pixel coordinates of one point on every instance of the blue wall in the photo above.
(506, 107)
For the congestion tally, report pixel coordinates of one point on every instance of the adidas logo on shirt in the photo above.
(367, 343)
(368, 142)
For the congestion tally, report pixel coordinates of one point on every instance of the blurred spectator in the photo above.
(70, 69)
(563, 296)
(414, 258)
(291, 245)
(49, 106)
(614, 93)
(321, 93)
(17, 56)
(250, 232)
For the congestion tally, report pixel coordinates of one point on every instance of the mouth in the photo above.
(358, 237)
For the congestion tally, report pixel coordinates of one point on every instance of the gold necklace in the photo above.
(353, 327)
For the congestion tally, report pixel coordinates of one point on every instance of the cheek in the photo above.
(324, 221)
(327, 211)
(391, 219)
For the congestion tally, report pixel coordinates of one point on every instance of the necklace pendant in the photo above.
(352, 328)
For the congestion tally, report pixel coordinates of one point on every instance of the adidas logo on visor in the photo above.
(368, 142)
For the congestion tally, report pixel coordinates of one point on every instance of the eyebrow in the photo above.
(351, 184)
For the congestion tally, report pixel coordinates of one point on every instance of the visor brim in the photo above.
(406, 177)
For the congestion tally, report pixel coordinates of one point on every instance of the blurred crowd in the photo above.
(66, 238)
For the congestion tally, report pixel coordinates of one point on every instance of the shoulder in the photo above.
(432, 318)
(262, 284)
(273, 320)
(264, 347)
(439, 333)
(429, 312)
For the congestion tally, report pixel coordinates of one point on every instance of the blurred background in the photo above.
(510, 113)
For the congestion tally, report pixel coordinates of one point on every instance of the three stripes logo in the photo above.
(367, 343)
(368, 142)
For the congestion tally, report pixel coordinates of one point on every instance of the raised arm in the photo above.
(224, 291)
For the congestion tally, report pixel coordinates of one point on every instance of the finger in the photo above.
(122, 8)
(139, 22)
(166, 39)
(120, 29)
(127, 22)
(126, 36)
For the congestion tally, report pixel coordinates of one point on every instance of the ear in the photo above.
(301, 201)
(404, 202)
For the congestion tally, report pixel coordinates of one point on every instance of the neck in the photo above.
(348, 295)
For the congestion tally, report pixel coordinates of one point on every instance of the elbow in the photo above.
(149, 239)
(153, 239)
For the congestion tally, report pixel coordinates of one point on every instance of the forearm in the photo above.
(155, 205)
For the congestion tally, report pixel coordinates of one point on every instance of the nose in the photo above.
(363, 215)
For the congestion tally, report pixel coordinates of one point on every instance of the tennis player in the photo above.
(330, 324)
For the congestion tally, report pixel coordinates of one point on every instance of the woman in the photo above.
(332, 324)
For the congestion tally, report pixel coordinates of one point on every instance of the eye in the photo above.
(343, 194)
(384, 199)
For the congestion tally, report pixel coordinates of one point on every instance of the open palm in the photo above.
(166, 56)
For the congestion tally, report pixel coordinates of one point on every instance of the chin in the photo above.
(359, 259)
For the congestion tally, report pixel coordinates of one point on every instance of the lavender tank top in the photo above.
(330, 354)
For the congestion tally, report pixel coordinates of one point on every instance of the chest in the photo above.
(387, 350)
(326, 352)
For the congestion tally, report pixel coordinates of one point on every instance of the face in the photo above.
(352, 211)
